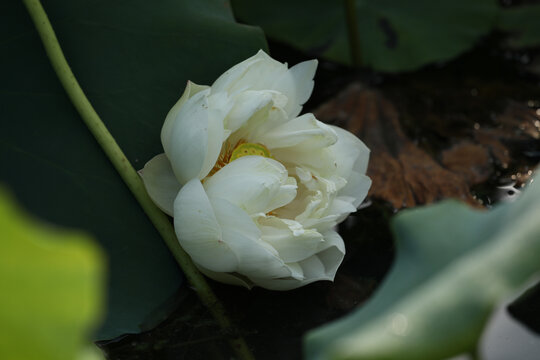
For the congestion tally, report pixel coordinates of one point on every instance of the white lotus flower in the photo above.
(256, 190)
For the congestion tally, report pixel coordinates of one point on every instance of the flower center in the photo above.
(242, 148)
(249, 149)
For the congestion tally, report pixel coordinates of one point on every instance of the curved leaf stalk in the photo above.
(352, 31)
(128, 173)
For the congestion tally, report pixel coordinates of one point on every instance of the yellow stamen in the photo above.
(242, 148)
(246, 149)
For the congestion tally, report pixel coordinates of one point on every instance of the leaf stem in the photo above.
(128, 173)
(352, 30)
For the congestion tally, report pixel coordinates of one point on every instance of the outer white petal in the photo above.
(190, 90)
(219, 106)
(229, 80)
(321, 266)
(227, 278)
(255, 257)
(338, 210)
(160, 182)
(185, 137)
(262, 121)
(331, 253)
(286, 194)
(320, 161)
(314, 201)
(297, 85)
(240, 280)
(246, 104)
(315, 272)
(198, 230)
(305, 131)
(357, 188)
(193, 140)
(350, 153)
(261, 72)
(339, 159)
(352, 157)
(253, 183)
(324, 264)
(289, 238)
(297, 271)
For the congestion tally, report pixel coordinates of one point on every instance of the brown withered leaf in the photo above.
(402, 173)
(491, 139)
(471, 161)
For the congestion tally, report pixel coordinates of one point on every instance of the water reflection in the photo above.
(507, 193)
(505, 338)
(399, 324)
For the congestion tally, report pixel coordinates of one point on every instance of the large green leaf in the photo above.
(52, 284)
(454, 264)
(394, 35)
(522, 23)
(133, 59)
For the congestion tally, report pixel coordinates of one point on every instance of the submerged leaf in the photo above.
(454, 264)
(52, 289)
(394, 35)
(521, 23)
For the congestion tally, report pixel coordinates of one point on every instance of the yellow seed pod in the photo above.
(246, 149)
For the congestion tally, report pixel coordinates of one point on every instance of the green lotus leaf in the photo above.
(521, 23)
(454, 265)
(52, 283)
(132, 59)
(393, 35)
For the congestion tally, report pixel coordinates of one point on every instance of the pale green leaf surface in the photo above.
(52, 289)
(454, 264)
(132, 59)
(394, 35)
(91, 352)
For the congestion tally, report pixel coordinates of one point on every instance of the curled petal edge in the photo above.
(160, 182)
